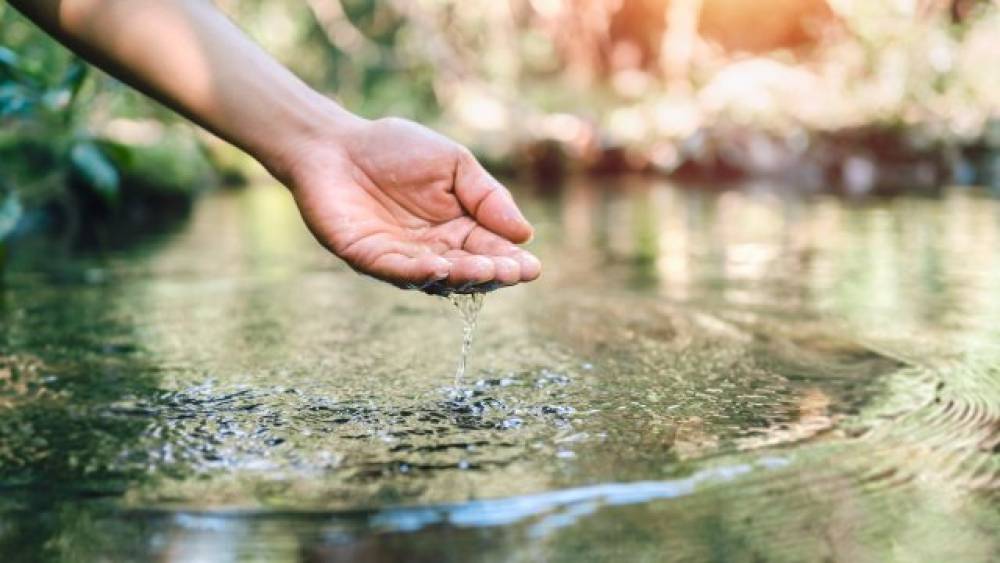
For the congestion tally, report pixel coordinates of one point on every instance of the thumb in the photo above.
(489, 203)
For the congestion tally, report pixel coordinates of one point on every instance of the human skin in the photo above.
(392, 198)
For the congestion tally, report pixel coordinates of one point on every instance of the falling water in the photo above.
(468, 305)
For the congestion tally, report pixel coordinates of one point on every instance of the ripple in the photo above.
(210, 428)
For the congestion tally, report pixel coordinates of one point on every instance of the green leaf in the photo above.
(56, 100)
(121, 154)
(74, 79)
(94, 167)
(8, 62)
(15, 100)
(10, 214)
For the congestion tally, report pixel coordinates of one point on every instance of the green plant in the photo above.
(43, 142)
(56, 157)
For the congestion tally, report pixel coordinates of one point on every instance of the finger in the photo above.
(531, 266)
(406, 271)
(468, 270)
(489, 202)
(481, 241)
(508, 271)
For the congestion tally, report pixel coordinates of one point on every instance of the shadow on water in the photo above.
(698, 376)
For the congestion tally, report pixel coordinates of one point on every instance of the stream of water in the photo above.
(468, 305)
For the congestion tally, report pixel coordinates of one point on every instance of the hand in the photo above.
(390, 197)
(408, 206)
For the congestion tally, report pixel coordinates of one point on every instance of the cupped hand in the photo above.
(406, 205)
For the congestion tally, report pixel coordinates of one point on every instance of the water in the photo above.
(696, 376)
(468, 305)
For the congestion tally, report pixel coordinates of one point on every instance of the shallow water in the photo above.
(697, 376)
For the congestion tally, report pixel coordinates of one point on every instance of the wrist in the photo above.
(318, 123)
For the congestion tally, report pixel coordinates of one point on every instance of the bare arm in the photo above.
(393, 199)
(189, 56)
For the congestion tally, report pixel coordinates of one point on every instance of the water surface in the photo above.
(740, 376)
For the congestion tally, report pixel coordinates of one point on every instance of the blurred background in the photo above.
(771, 237)
(856, 97)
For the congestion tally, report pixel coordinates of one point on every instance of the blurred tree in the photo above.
(610, 85)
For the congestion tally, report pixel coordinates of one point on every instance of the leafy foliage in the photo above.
(96, 169)
(523, 81)
(10, 213)
(55, 157)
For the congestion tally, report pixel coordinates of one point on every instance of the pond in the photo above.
(698, 375)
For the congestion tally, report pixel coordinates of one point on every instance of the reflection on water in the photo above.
(697, 376)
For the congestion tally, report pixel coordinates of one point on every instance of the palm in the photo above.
(411, 207)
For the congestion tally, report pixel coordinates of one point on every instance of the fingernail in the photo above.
(441, 269)
(531, 266)
(515, 214)
(484, 269)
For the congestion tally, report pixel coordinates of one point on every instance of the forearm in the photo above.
(189, 56)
